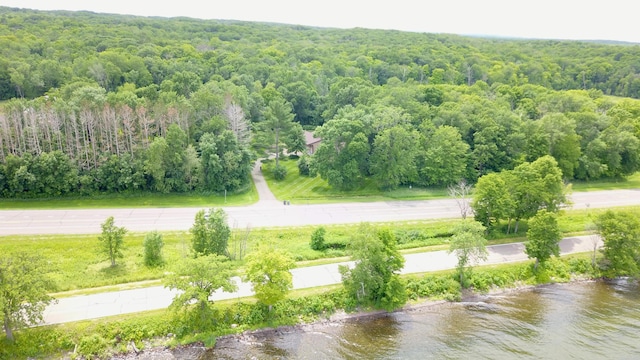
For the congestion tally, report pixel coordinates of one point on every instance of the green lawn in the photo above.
(149, 200)
(631, 182)
(304, 189)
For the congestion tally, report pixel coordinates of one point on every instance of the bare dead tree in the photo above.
(128, 126)
(461, 192)
(145, 125)
(240, 241)
(237, 121)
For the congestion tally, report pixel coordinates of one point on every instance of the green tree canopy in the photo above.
(469, 246)
(543, 237)
(269, 271)
(198, 278)
(620, 231)
(374, 280)
(24, 290)
(112, 240)
(210, 233)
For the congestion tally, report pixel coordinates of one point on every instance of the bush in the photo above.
(153, 249)
(317, 239)
(436, 287)
(93, 346)
(279, 172)
(304, 165)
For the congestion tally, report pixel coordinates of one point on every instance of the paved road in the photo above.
(136, 300)
(264, 214)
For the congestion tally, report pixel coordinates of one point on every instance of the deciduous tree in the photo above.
(153, 244)
(269, 271)
(210, 233)
(374, 280)
(543, 237)
(24, 286)
(112, 240)
(620, 232)
(469, 246)
(197, 279)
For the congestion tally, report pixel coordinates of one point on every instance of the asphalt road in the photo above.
(152, 298)
(264, 214)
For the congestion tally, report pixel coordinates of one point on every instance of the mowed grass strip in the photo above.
(631, 182)
(135, 200)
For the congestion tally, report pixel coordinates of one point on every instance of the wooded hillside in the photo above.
(122, 103)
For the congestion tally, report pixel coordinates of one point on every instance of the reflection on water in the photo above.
(592, 320)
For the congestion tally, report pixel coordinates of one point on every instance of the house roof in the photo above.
(309, 139)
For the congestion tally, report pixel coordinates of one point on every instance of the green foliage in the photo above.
(93, 346)
(317, 239)
(543, 237)
(393, 158)
(197, 279)
(24, 286)
(304, 165)
(374, 280)
(469, 245)
(620, 231)
(145, 91)
(434, 287)
(519, 193)
(112, 240)
(268, 271)
(210, 232)
(153, 243)
(279, 172)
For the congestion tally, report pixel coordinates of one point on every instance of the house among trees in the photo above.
(311, 142)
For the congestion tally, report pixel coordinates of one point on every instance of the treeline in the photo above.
(101, 93)
(44, 50)
(438, 134)
(169, 164)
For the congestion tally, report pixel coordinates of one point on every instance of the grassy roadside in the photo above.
(295, 188)
(137, 200)
(304, 189)
(76, 264)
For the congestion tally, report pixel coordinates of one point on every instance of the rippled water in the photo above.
(593, 320)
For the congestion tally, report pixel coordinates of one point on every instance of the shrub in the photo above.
(92, 346)
(153, 244)
(317, 239)
(279, 172)
(304, 165)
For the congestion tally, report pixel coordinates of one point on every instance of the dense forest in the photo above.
(112, 103)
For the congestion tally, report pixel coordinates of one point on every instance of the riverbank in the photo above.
(230, 346)
(158, 331)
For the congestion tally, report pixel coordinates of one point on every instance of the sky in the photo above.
(541, 19)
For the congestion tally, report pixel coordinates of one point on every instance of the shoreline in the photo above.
(197, 350)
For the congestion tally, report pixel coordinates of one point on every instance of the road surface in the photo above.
(136, 300)
(264, 214)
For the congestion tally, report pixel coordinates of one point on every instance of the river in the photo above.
(587, 320)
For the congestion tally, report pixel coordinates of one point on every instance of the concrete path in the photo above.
(130, 301)
(267, 214)
(265, 196)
